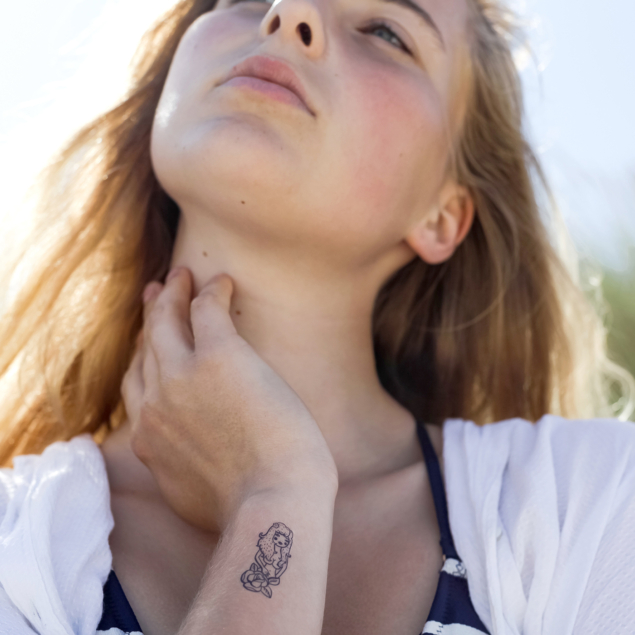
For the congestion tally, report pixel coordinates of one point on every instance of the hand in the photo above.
(210, 419)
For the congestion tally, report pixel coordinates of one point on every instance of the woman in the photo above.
(345, 201)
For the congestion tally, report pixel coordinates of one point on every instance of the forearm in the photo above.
(227, 602)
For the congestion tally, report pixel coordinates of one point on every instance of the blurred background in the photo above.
(63, 62)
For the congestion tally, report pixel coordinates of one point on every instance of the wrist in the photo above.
(297, 506)
(297, 478)
(300, 490)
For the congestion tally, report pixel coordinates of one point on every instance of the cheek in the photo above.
(209, 43)
(205, 52)
(395, 141)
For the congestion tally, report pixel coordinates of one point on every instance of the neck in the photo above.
(312, 323)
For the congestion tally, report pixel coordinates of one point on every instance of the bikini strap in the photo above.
(438, 492)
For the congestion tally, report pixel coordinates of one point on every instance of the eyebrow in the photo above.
(422, 13)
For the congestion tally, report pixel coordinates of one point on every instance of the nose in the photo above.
(297, 22)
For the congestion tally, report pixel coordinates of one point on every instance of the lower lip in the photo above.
(274, 91)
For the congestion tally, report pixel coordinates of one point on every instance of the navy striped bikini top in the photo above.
(451, 613)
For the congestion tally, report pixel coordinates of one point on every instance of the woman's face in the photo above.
(349, 174)
(280, 539)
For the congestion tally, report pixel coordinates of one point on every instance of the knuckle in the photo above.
(191, 370)
(172, 383)
(210, 365)
(221, 358)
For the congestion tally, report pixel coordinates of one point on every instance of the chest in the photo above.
(383, 566)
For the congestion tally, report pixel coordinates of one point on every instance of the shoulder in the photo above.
(55, 519)
(531, 504)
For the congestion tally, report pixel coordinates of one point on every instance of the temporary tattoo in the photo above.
(271, 560)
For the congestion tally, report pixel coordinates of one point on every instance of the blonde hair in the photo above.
(499, 330)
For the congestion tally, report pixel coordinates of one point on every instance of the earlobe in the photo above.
(437, 235)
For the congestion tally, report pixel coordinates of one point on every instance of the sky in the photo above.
(581, 110)
(579, 83)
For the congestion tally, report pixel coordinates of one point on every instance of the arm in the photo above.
(296, 605)
(283, 568)
(236, 452)
(260, 559)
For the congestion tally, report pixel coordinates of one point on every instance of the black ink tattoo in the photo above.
(271, 560)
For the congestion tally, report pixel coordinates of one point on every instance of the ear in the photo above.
(436, 236)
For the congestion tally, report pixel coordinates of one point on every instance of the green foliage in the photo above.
(618, 289)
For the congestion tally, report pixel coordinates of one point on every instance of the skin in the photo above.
(333, 204)
(290, 224)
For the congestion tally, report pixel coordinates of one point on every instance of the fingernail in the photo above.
(147, 292)
(175, 271)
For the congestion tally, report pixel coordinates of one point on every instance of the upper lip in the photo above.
(272, 70)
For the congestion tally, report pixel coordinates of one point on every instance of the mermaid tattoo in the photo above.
(271, 560)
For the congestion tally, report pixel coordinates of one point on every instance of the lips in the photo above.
(271, 70)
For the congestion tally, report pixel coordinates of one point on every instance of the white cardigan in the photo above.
(542, 515)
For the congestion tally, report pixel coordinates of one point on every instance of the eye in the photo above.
(389, 34)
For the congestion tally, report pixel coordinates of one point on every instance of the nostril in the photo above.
(305, 32)
(275, 23)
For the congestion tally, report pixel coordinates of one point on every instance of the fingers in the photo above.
(168, 311)
(166, 327)
(209, 312)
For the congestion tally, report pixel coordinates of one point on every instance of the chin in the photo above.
(235, 156)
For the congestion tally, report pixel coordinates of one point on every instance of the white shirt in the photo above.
(543, 516)
(55, 520)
